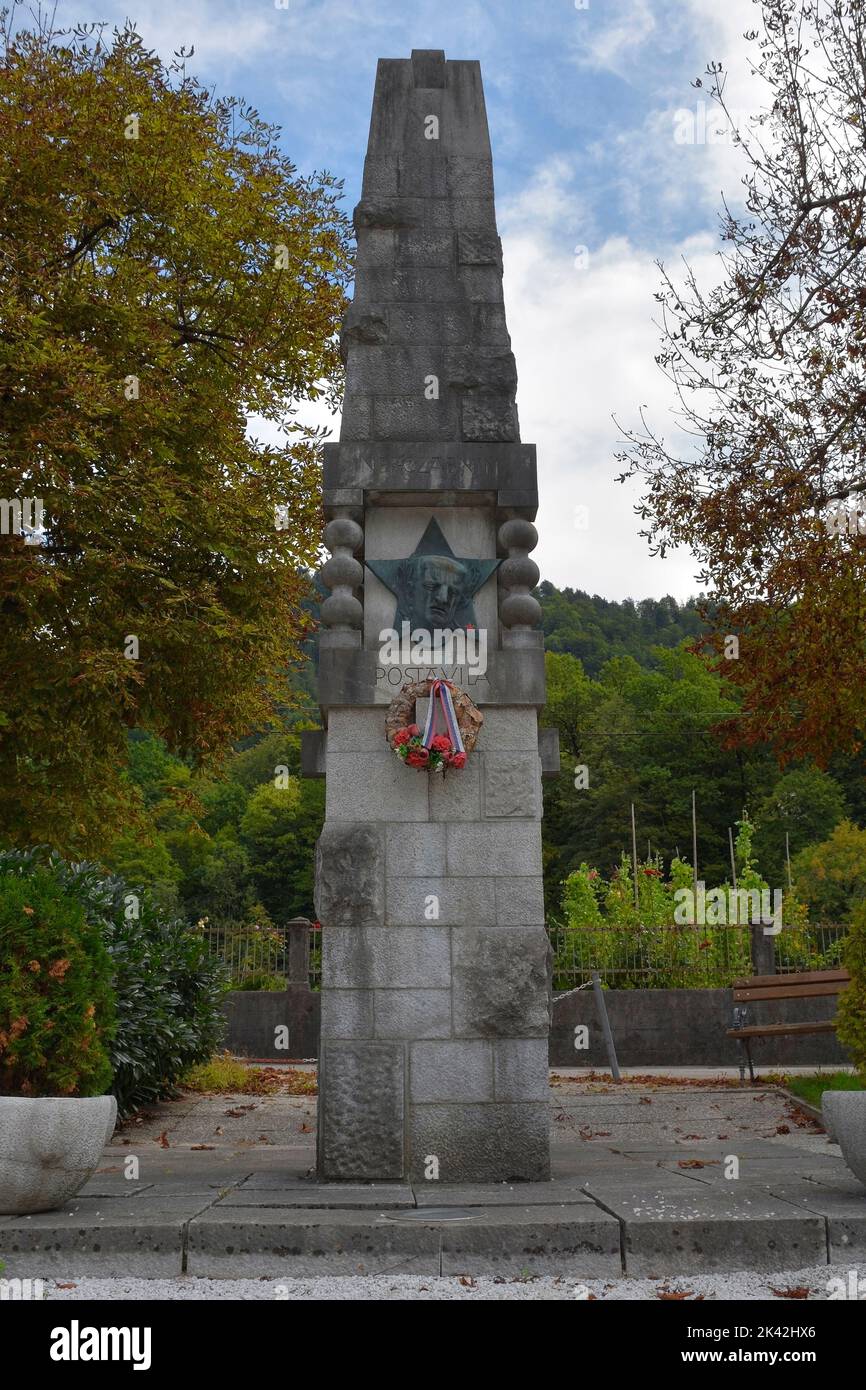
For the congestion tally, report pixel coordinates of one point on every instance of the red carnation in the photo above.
(402, 736)
(441, 743)
(418, 757)
(458, 760)
(412, 730)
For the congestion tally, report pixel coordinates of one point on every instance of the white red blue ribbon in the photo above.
(440, 698)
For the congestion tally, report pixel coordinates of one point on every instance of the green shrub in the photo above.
(57, 1005)
(168, 989)
(851, 1014)
(260, 979)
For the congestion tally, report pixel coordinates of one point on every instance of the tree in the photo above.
(831, 877)
(806, 804)
(164, 275)
(768, 368)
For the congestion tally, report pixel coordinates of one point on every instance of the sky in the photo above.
(606, 161)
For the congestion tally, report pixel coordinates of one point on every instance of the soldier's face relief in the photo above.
(437, 589)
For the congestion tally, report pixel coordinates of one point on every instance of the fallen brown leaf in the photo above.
(790, 1293)
(162, 1139)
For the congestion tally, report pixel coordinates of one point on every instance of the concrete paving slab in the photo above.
(570, 1239)
(524, 1194)
(330, 1195)
(225, 1242)
(696, 1227)
(143, 1236)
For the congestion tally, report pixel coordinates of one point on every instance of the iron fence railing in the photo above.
(630, 957)
(265, 957)
(683, 957)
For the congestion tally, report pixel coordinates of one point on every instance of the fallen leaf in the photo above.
(790, 1293)
(163, 1140)
(197, 1147)
(466, 1281)
(64, 1286)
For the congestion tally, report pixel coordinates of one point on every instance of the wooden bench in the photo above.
(810, 984)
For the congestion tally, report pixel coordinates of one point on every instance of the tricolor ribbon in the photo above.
(440, 698)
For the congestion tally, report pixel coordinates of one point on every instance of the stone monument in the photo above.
(435, 961)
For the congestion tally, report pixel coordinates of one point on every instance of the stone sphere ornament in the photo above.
(431, 749)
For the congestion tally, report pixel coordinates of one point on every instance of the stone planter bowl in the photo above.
(49, 1147)
(844, 1115)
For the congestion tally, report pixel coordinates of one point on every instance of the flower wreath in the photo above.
(427, 749)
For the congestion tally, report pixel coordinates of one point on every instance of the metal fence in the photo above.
(675, 957)
(683, 957)
(262, 957)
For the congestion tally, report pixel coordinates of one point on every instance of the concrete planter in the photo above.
(845, 1121)
(49, 1147)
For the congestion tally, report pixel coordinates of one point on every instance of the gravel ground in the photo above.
(376, 1288)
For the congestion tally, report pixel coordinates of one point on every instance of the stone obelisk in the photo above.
(435, 962)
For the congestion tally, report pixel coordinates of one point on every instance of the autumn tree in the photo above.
(769, 486)
(166, 275)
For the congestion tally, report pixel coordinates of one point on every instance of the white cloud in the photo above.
(585, 341)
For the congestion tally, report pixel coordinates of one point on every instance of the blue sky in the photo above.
(594, 183)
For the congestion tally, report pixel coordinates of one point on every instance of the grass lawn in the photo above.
(811, 1087)
(226, 1075)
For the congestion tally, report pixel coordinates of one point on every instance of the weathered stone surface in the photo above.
(453, 902)
(373, 777)
(520, 1069)
(362, 1111)
(356, 729)
(449, 958)
(548, 751)
(576, 1241)
(672, 1230)
(49, 1147)
(481, 1142)
(501, 982)
(386, 957)
(489, 418)
(444, 1071)
(400, 466)
(456, 795)
(347, 1013)
(846, 1113)
(507, 849)
(509, 730)
(415, 851)
(350, 875)
(413, 1013)
(512, 785)
(396, 416)
(275, 1242)
(313, 745)
(520, 902)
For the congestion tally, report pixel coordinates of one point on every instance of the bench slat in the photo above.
(792, 991)
(759, 1030)
(806, 977)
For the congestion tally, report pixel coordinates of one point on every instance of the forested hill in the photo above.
(596, 629)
